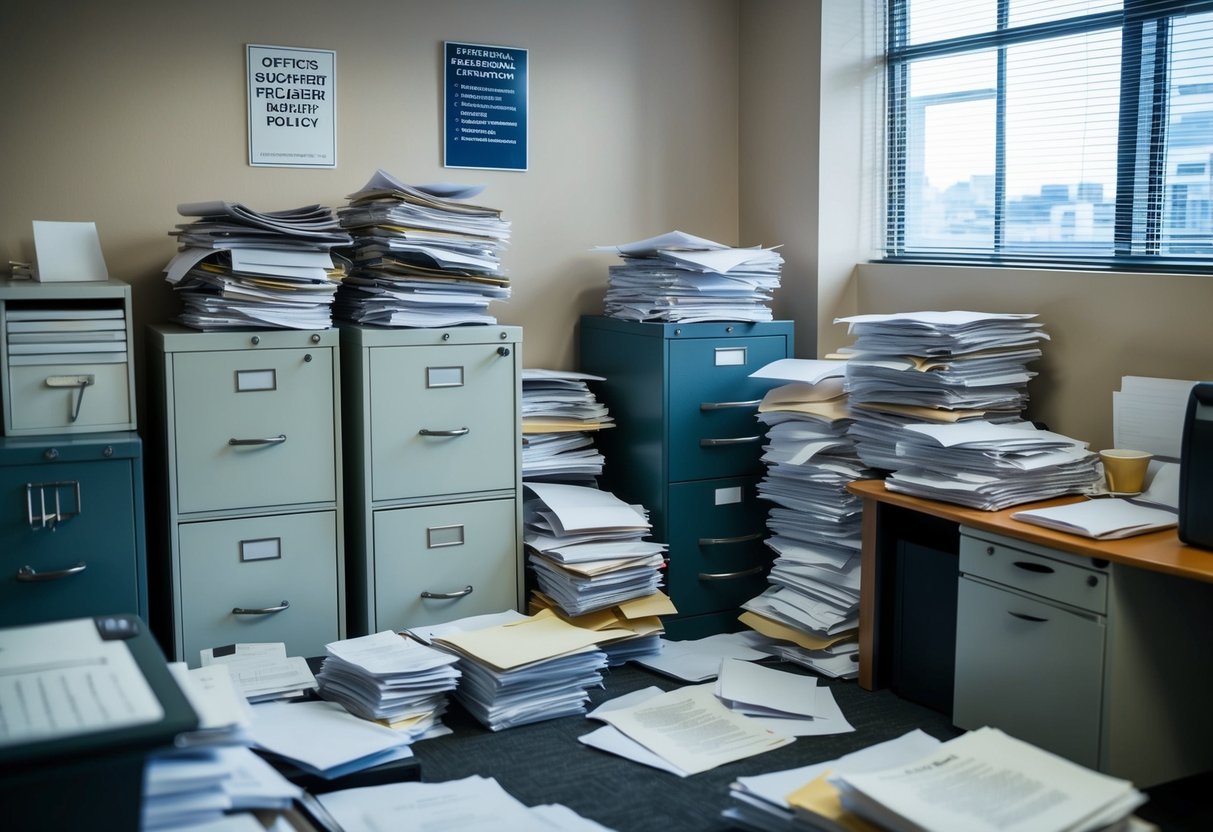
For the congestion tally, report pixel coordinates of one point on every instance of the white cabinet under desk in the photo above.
(432, 431)
(1103, 663)
(246, 429)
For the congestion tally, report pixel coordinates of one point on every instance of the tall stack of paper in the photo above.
(990, 466)
(391, 679)
(559, 417)
(935, 367)
(680, 277)
(422, 256)
(240, 268)
(813, 600)
(527, 670)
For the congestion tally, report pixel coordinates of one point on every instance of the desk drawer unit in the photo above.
(432, 439)
(247, 427)
(71, 527)
(1057, 577)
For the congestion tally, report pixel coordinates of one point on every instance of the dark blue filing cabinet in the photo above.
(687, 446)
(71, 527)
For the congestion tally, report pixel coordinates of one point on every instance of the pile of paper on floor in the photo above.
(680, 277)
(559, 416)
(422, 256)
(587, 548)
(239, 268)
(527, 670)
(640, 616)
(935, 367)
(788, 703)
(936, 790)
(389, 678)
(699, 659)
(471, 803)
(990, 466)
(813, 601)
(262, 671)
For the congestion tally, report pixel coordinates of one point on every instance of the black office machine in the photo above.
(1196, 469)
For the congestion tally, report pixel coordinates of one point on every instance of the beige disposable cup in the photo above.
(1125, 470)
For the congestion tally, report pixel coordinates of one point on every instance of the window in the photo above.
(1058, 132)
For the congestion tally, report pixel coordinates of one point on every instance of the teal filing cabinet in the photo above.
(687, 446)
(71, 527)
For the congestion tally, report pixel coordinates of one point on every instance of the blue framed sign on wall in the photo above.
(485, 113)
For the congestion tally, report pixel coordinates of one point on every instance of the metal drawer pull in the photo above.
(453, 432)
(1034, 567)
(739, 440)
(728, 576)
(43, 519)
(30, 574)
(467, 590)
(269, 440)
(723, 405)
(1031, 618)
(260, 610)
(80, 382)
(717, 541)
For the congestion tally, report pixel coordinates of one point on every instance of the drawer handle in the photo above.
(1029, 566)
(269, 440)
(453, 432)
(79, 382)
(720, 541)
(459, 593)
(738, 440)
(260, 610)
(31, 575)
(728, 576)
(1034, 619)
(705, 406)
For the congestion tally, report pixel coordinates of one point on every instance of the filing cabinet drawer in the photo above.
(717, 558)
(464, 551)
(46, 400)
(1052, 577)
(70, 539)
(443, 420)
(713, 431)
(257, 579)
(253, 428)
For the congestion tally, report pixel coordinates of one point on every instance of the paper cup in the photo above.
(1125, 470)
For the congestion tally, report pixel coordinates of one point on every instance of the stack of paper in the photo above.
(527, 670)
(389, 678)
(936, 367)
(639, 616)
(559, 416)
(813, 600)
(935, 791)
(422, 256)
(262, 671)
(1101, 519)
(239, 268)
(680, 277)
(586, 546)
(990, 466)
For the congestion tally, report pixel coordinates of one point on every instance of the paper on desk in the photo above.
(320, 735)
(690, 728)
(262, 670)
(1101, 519)
(1148, 414)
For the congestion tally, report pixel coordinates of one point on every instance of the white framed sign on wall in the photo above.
(292, 108)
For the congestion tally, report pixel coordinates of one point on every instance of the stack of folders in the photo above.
(680, 277)
(389, 678)
(528, 669)
(559, 417)
(65, 336)
(422, 256)
(238, 268)
(915, 782)
(812, 605)
(990, 466)
(934, 367)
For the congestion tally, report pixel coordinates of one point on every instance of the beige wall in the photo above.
(117, 112)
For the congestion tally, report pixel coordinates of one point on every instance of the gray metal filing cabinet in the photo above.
(247, 431)
(433, 473)
(71, 527)
(687, 446)
(1089, 659)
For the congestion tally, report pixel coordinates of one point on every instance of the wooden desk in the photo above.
(1158, 551)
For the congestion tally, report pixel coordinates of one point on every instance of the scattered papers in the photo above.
(698, 660)
(790, 704)
(325, 739)
(1101, 519)
(262, 671)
